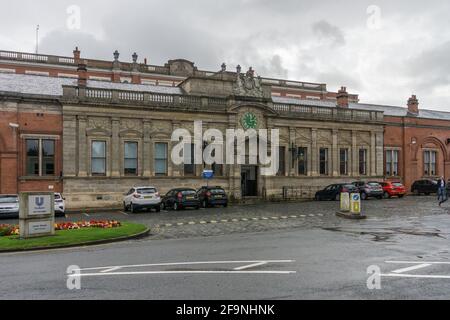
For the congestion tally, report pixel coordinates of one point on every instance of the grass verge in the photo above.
(71, 237)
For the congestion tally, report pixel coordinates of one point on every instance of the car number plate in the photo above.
(189, 197)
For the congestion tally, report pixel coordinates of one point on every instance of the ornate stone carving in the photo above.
(248, 85)
(99, 123)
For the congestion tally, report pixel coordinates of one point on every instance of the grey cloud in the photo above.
(324, 29)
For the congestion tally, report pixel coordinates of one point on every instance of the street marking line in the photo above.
(311, 215)
(250, 266)
(181, 272)
(191, 222)
(223, 220)
(187, 263)
(275, 218)
(180, 223)
(294, 217)
(124, 213)
(418, 262)
(244, 219)
(419, 266)
(303, 216)
(284, 217)
(320, 215)
(425, 276)
(255, 219)
(234, 220)
(213, 221)
(265, 218)
(111, 269)
(202, 222)
(168, 224)
(85, 214)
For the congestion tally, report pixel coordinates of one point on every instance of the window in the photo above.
(98, 158)
(429, 163)
(161, 159)
(189, 166)
(40, 157)
(362, 161)
(281, 161)
(302, 154)
(343, 161)
(131, 158)
(323, 161)
(392, 162)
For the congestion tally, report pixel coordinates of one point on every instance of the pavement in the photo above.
(261, 251)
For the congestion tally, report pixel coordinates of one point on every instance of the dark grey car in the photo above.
(369, 189)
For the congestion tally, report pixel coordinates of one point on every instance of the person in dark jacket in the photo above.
(442, 191)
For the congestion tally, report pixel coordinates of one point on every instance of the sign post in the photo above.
(207, 175)
(345, 202)
(355, 203)
(37, 214)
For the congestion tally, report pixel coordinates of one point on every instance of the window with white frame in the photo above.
(40, 157)
(98, 158)
(161, 159)
(130, 165)
(429, 163)
(392, 162)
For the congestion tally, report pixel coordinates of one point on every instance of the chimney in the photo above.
(413, 105)
(342, 98)
(76, 55)
(82, 74)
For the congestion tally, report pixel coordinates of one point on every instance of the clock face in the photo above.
(249, 121)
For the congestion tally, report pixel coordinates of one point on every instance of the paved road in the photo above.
(311, 257)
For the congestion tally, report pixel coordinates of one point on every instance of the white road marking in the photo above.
(110, 269)
(404, 275)
(202, 222)
(244, 219)
(234, 220)
(303, 216)
(168, 224)
(85, 214)
(311, 215)
(179, 272)
(223, 220)
(213, 221)
(293, 216)
(265, 218)
(191, 222)
(250, 266)
(180, 223)
(187, 263)
(418, 262)
(255, 219)
(124, 213)
(416, 267)
(284, 217)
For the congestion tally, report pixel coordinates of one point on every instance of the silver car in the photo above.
(9, 206)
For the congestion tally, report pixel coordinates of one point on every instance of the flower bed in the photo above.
(10, 230)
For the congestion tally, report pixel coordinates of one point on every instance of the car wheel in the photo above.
(317, 197)
(125, 207)
(132, 208)
(163, 206)
(176, 206)
(337, 197)
(363, 196)
(386, 195)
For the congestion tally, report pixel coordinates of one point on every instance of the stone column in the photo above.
(314, 153)
(290, 157)
(373, 159)
(335, 154)
(82, 147)
(354, 160)
(70, 146)
(379, 150)
(147, 151)
(115, 148)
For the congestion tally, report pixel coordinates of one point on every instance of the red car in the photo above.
(391, 189)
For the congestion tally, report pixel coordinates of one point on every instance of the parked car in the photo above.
(180, 198)
(426, 186)
(9, 206)
(333, 191)
(391, 189)
(60, 205)
(212, 196)
(369, 189)
(139, 198)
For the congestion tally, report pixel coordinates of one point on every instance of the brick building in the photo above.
(94, 128)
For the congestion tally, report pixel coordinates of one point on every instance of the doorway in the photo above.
(249, 181)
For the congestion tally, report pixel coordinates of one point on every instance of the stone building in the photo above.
(94, 139)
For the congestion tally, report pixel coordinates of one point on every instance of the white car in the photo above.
(60, 205)
(142, 198)
(9, 206)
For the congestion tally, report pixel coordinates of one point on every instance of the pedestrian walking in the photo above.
(442, 191)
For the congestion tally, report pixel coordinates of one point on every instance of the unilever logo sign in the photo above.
(39, 204)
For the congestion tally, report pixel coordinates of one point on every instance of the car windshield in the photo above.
(8, 199)
(187, 192)
(146, 190)
(217, 191)
(374, 184)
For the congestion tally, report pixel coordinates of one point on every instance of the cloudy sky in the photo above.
(383, 50)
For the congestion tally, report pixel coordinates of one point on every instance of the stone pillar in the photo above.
(335, 154)
(314, 153)
(115, 148)
(373, 159)
(82, 147)
(379, 150)
(291, 159)
(354, 160)
(147, 151)
(70, 145)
